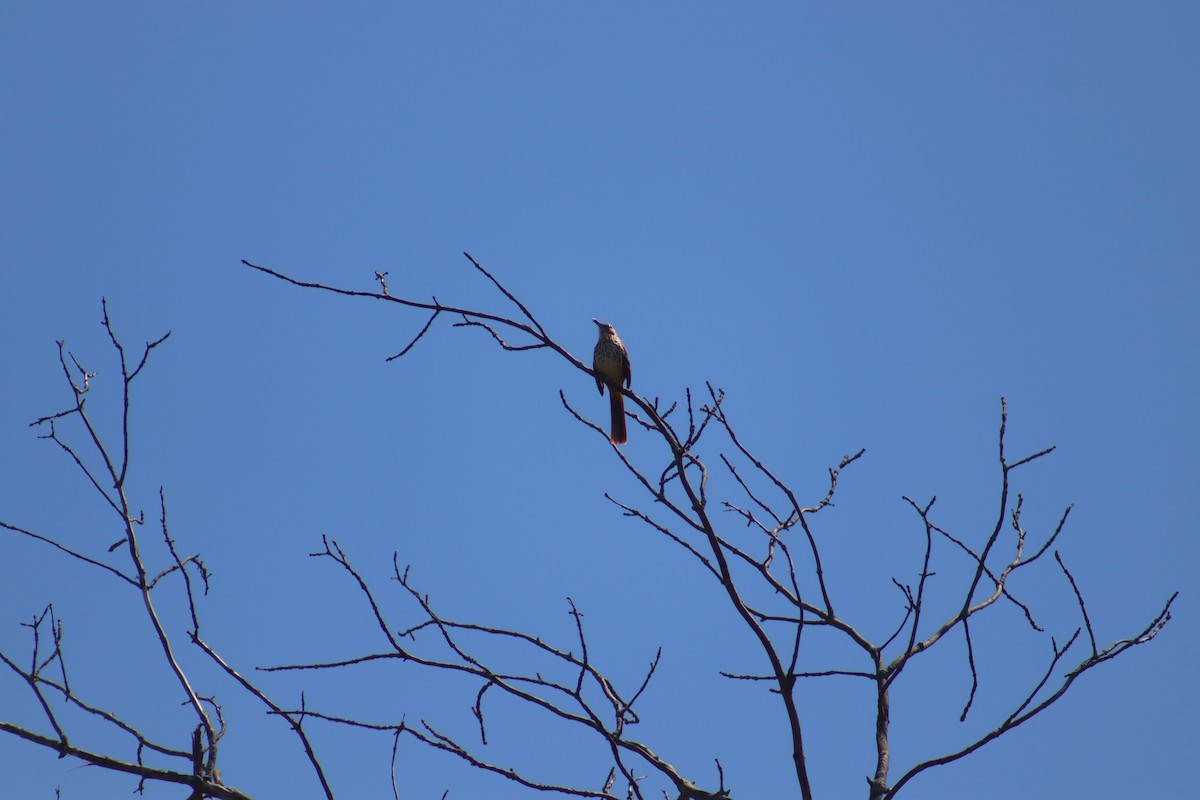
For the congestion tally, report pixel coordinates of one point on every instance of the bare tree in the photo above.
(767, 567)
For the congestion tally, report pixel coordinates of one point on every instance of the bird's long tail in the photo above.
(616, 405)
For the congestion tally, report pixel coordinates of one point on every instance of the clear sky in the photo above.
(866, 224)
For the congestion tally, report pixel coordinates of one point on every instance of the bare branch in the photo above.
(205, 787)
(64, 549)
(416, 338)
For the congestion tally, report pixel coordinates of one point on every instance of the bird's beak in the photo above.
(598, 322)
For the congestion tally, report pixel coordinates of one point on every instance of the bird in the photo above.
(610, 362)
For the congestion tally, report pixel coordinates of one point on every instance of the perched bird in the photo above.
(610, 360)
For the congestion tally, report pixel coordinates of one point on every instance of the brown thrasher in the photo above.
(610, 361)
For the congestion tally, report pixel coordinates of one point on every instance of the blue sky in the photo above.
(865, 224)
